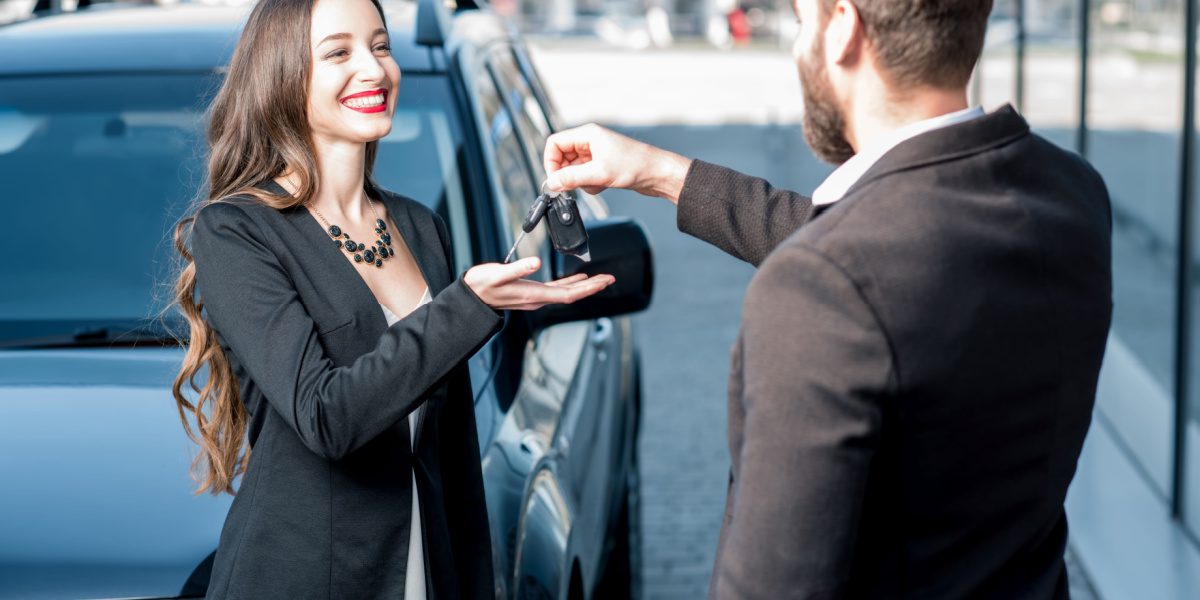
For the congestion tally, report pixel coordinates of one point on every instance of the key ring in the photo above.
(542, 189)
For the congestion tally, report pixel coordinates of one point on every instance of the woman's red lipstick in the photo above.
(378, 108)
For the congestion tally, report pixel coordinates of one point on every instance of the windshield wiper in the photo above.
(100, 336)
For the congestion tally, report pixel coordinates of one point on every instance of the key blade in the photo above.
(514, 248)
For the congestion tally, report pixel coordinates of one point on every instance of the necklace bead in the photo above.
(376, 253)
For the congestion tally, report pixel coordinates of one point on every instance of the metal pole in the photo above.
(1183, 275)
(1020, 74)
(1081, 134)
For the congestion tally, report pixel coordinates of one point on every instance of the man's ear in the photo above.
(845, 34)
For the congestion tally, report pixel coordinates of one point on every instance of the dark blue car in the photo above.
(102, 147)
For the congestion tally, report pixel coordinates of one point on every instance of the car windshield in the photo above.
(96, 169)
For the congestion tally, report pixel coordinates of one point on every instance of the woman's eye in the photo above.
(337, 53)
(383, 48)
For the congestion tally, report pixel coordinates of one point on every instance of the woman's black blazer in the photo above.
(323, 510)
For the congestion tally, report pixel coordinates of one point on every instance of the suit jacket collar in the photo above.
(994, 129)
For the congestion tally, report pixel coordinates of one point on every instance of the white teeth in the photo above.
(365, 101)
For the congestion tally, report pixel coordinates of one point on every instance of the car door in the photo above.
(528, 389)
(587, 443)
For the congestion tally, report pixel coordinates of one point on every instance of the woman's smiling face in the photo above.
(352, 92)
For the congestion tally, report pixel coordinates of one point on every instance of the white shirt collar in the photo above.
(844, 177)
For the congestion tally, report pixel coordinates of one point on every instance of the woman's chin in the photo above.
(367, 134)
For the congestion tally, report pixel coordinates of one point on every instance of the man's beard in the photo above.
(824, 123)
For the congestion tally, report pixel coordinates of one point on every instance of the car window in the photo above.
(513, 168)
(91, 190)
(529, 70)
(531, 120)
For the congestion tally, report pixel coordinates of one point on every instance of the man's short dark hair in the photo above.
(924, 42)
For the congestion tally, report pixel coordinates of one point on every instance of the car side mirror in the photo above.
(619, 247)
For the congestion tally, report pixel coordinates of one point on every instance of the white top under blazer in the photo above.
(414, 581)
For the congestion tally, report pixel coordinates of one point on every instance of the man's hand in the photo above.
(501, 286)
(594, 158)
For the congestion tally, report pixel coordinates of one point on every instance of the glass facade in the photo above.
(1135, 120)
(1109, 79)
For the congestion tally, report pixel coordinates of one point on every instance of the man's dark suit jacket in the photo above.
(915, 371)
(324, 508)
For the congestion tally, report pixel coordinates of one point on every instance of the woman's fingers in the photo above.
(531, 295)
(506, 273)
(568, 280)
(482, 279)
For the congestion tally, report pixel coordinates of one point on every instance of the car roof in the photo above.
(173, 38)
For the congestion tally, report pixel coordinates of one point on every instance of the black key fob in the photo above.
(567, 233)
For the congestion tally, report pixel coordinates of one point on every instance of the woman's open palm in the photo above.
(503, 287)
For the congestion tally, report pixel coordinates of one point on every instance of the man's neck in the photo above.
(874, 120)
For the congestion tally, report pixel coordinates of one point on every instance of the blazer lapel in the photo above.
(423, 244)
(426, 249)
(344, 282)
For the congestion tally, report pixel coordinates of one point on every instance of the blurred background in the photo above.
(1113, 80)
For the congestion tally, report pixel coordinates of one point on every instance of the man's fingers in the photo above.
(589, 174)
(565, 146)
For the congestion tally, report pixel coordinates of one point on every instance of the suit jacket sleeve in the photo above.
(251, 302)
(742, 215)
(815, 366)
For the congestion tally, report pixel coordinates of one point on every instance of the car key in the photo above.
(536, 212)
(565, 224)
(567, 233)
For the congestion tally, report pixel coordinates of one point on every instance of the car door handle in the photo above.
(602, 331)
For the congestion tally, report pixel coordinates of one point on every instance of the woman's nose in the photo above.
(368, 68)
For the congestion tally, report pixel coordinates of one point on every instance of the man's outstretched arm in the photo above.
(742, 215)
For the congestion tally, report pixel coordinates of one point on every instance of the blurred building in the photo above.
(1115, 81)
(701, 19)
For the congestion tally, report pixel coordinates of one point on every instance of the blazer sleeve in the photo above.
(815, 366)
(742, 215)
(250, 300)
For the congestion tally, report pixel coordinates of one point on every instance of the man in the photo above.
(917, 363)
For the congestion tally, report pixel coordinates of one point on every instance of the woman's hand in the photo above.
(501, 286)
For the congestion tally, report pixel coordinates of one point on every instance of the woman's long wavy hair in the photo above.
(258, 129)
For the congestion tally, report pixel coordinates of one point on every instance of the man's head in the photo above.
(893, 49)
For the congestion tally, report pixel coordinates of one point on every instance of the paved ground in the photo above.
(740, 110)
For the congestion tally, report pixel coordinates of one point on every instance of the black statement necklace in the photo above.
(375, 254)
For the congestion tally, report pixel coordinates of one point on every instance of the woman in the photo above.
(343, 364)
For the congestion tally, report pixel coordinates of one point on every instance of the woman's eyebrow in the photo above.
(346, 36)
